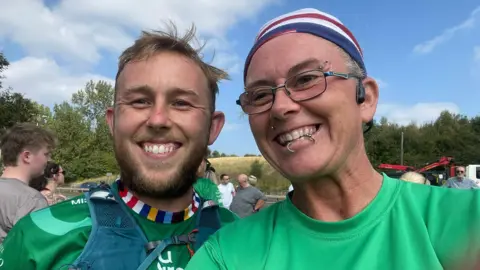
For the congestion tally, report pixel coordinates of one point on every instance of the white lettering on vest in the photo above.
(79, 201)
(168, 260)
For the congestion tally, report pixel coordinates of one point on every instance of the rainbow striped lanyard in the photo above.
(154, 214)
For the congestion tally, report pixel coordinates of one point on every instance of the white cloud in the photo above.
(231, 62)
(80, 30)
(419, 113)
(44, 81)
(429, 45)
(381, 83)
(475, 69)
(75, 35)
(476, 54)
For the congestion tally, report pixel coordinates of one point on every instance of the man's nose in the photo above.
(159, 117)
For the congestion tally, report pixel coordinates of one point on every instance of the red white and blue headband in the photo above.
(311, 21)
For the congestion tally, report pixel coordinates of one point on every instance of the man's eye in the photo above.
(181, 103)
(140, 103)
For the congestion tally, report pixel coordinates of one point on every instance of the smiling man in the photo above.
(157, 214)
(308, 96)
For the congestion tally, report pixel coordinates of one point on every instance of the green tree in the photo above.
(215, 154)
(256, 169)
(15, 108)
(3, 65)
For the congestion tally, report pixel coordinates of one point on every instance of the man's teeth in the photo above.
(296, 133)
(159, 148)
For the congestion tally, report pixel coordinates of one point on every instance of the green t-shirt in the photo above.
(54, 237)
(407, 226)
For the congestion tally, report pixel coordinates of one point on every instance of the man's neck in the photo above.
(342, 194)
(17, 173)
(170, 205)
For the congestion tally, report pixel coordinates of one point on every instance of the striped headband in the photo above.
(313, 22)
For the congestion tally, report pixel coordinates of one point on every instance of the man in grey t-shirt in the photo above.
(25, 152)
(248, 199)
(17, 199)
(460, 181)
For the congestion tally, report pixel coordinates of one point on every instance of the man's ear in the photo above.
(109, 116)
(369, 106)
(218, 120)
(24, 157)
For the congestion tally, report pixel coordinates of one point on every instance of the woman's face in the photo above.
(60, 176)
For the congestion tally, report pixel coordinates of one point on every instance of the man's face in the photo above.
(162, 124)
(36, 160)
(334, 117)
(242, 179)
(460, 172)
(225, 179)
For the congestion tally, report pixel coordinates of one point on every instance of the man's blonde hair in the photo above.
(414, 177)
(157, 41)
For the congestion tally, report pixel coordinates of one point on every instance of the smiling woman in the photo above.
(306, 111)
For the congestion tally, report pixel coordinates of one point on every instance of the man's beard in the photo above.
(178, 184)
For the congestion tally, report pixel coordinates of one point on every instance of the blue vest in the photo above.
(117, 242)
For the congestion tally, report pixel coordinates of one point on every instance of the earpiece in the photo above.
(360, 92)
(360, 100)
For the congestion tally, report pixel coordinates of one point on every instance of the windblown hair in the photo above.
(154, 42)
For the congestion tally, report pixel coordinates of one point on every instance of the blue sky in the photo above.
(426, 54)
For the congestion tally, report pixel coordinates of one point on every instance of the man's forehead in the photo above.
(172, 66)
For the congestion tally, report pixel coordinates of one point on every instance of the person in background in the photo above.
(248, 199)
(207, 171)
(210, 173)
(460, 181)
(47, 184)
(226, 189)
(25, 149)
(414, 177)
(309, 99)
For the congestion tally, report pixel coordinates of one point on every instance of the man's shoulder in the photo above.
(58, 219)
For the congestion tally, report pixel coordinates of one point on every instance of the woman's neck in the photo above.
(341, 195)
(51, 185)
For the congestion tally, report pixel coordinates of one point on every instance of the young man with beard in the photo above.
(306, 111)
(162, 121)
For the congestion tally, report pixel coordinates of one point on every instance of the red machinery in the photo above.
(447, 162)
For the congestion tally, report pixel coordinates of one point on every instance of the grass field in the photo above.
(270, 182)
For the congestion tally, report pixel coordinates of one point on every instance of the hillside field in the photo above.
(270, 182)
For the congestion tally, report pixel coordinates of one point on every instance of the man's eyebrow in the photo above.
(183, 91)
(310, 62)
(140, 89)
(148, 90)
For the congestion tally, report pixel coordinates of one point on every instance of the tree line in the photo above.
(85, 146)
